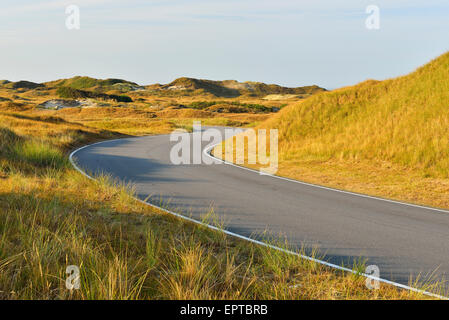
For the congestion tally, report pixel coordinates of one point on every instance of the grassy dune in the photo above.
(387, 138)
(52, 217)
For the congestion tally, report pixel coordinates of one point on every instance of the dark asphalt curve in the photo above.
(402, 240)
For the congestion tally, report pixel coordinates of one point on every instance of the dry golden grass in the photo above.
(384, 138)
(136, 121)
(147, 114)
(51, 217)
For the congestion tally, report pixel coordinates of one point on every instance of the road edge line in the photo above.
(208, 151)
(322, 262)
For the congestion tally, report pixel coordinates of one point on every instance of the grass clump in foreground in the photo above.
(52, 217)
(40, 154)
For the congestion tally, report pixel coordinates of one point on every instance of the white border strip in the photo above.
(331, 265)
(218, 160)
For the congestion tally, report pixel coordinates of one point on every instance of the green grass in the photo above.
(40, 154)
(403, 121)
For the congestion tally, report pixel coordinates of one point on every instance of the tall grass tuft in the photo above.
(40, 154)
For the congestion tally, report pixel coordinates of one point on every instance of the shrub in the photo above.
(240, 106)
(121, 98)
(71, 93)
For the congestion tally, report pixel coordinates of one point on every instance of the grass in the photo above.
(40, 154)
(140, 121)
(52, 217)
(384, 138)
(105, 108)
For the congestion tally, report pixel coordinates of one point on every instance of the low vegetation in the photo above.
(71, 93)
(88, 83)
(233, 106)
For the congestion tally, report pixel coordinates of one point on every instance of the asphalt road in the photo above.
(402, 240)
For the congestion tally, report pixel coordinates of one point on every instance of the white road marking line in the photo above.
(208, 153)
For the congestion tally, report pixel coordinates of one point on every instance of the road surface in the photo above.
(402, 240)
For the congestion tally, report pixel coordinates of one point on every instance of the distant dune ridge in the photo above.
(230, 96)
(21, 84)
(233, 88)
(227, 88)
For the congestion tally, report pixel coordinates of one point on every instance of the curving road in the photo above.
(403, 240)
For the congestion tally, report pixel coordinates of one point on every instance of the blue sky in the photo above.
(287, 42)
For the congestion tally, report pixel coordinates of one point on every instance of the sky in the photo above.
(287, 42)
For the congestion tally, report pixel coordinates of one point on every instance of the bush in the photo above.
(121, 98)
(71, 93)
(239, 106)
